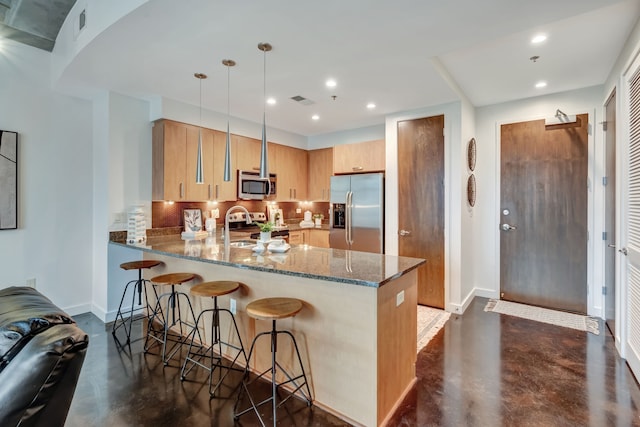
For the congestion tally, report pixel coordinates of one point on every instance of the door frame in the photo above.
(595, 300)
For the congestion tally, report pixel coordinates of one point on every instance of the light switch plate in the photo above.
(399, 298)
(232, 305)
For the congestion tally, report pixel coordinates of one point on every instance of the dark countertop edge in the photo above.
(276, 271)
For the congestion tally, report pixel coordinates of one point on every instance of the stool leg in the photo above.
(274, 349)
(120, 320)
(216, 360)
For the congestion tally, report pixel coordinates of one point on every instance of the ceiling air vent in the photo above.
(302, 100)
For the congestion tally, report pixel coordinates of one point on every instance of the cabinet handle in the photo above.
(358, 168)
(290, 194)
(181, 190)
(323, 194)
(217, 191)
(209, 197)
(295, 193)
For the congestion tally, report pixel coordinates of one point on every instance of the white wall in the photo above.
(486, 213)
(55, 181)
(369, 133)
(164, 108)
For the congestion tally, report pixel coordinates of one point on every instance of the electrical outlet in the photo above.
(399, 298)
(31, 283)
(298, 210)
(232, 305)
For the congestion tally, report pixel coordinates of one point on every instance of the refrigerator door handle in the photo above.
(350, 220)
(346, 218)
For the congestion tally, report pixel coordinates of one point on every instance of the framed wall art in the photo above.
(8, 180)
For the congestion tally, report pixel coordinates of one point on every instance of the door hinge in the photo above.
(604, 126)
(605, 181)
(604, 235)
(604, 290)
(588, 236)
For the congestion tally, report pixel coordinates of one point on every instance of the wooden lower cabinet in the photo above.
(319, 238)
(299, 237)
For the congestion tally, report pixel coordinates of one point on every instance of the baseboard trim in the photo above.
(75, 310)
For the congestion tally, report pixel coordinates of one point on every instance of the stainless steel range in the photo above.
(238, 222)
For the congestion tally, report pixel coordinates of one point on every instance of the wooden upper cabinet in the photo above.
(222, 190)
(291, 172)
(366, 156)
(169, 167)
(320, 171)
(248, 154)
(175, 155)
(196, 192)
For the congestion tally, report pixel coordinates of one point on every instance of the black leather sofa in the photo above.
(41, 354)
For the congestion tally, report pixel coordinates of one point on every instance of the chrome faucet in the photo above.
(226, 224)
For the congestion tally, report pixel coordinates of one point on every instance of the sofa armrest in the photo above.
(38, 384)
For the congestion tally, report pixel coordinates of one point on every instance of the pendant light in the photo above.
(227, 154)
(199, 168)
(264, 159)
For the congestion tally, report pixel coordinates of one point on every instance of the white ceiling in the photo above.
(387, 52)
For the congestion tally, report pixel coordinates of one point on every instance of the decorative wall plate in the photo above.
(471, 190)
(471, 154)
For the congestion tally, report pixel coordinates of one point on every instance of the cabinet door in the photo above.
(295, 237)
(319, 238)
(174, 161)
(292, 173)
(198, 192)
(248, 158)
(320, 171)
(221, 190)
(360, 157)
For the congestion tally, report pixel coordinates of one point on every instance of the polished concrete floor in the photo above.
(489, 369)
(482, 369)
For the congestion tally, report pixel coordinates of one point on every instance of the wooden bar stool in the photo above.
(138, 284)
(273, 309)
(199, 351)
(171, 316)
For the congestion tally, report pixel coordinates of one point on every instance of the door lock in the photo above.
(623, 251)
(507, 227)
(404, 232)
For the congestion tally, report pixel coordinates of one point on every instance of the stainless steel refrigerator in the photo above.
(357, 212)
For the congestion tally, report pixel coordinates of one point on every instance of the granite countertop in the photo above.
(350, 267)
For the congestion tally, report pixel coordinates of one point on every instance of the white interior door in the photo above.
(629, 302)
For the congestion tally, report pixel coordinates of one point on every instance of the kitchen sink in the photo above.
(242, 244)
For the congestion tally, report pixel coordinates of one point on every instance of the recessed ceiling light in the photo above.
(540, 85)
(539, 38)
(315, 117)
(371, 106)
(271, 101)
(331, 83)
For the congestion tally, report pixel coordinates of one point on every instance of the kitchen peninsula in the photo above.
(356, 332)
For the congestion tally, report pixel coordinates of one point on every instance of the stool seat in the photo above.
(173, 278)
(136, 265)
(138, 284)
(214, 289)
(274, 308)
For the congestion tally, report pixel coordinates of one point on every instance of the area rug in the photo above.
(430, 321)
(553, 317)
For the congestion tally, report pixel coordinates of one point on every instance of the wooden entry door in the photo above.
(421, 202)
(610, 214)
(543, 214)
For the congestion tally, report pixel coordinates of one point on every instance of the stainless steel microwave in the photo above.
(252, 187)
